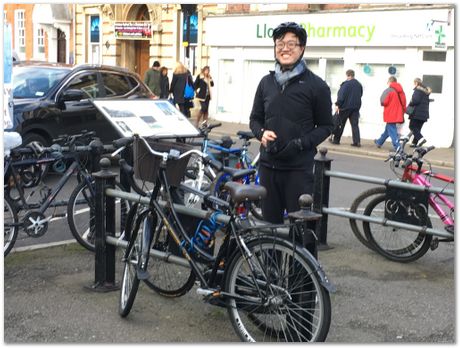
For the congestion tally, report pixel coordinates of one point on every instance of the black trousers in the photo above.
(283, 191)
(416, 126)
(353, 116)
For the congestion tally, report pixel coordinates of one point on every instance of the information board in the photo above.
(158, 118)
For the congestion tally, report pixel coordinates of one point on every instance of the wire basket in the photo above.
(147, 166)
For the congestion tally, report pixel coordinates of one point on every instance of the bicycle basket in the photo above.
(147, 166)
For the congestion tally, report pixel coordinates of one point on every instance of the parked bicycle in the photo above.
(398, 244)
(19, 193)
(205, 178)
(273, 288)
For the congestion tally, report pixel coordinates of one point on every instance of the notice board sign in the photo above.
(158, 118)
(134, 30)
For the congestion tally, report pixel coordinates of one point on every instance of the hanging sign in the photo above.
(138, 30)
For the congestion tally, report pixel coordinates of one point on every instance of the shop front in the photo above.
(376, 44)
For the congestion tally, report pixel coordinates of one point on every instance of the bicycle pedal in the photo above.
(434, 244)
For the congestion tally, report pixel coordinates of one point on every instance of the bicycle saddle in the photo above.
(245, 135)
(237, 174)
(242, 192)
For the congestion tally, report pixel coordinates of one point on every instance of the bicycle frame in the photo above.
(419, 179)
(75, 167)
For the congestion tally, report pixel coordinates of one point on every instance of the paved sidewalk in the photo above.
(444, 157)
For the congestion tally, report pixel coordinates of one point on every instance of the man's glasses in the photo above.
(290, 45)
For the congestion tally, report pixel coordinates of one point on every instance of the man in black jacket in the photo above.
(291, 115)
(348, 104)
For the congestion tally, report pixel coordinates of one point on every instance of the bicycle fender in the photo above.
(324, 280)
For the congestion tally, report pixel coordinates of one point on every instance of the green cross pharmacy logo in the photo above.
(440, 35)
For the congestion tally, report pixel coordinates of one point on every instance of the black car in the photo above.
(54, 99)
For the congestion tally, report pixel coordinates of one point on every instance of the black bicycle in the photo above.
(22, 183)
(273, 288)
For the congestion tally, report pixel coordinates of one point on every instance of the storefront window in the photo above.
(335, 75)
(20, 33)
(94, 42)
(434, 82)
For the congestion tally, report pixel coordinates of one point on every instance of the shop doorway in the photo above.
(142, 48)
(61, 47)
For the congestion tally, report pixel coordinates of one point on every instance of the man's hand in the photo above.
(268, 136)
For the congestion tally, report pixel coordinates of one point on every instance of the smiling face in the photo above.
(287, 50)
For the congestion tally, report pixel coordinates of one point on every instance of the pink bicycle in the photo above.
(402, 245)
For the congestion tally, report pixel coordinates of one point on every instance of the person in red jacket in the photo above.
(393, 100)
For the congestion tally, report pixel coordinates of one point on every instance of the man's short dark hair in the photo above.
(350, 73)
(156, 64)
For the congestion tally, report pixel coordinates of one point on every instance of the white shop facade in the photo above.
(405, 43)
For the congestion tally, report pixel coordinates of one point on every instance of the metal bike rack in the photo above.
(322, 175)
(106, 242)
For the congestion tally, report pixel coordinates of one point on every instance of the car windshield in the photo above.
(35, 82)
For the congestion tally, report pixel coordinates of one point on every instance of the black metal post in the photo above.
(105, 226)
(321, 195)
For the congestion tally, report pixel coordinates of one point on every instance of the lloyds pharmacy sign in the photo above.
(364, 32)
(403, 28)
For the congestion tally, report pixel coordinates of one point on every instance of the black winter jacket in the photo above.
(421, 102)
(201, 87)
(178, 86)
(164, 84)
(349, 95)
(303, 110)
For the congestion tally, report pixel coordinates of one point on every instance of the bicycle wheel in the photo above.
(80, 214)
(167, 278)
(363, 197)
(10, 225)
(130, 281)
(292, 305)
(394, 243)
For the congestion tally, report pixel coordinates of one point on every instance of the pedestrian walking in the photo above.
(393, 100)
(152, 78)
(164, 83)
(181, 78)
(418, 111)
(348, 105)
(291, 116)
(203, 84)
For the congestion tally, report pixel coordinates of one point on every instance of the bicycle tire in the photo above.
(130, 281)
(10, 225)
(81, 220)
(290, 275)
(359, 234)
(385, 239)
(167, 278)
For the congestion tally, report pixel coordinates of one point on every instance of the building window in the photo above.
(20, 33)
(40, 40)
(434, 56)
(434, 82)
(94, 40)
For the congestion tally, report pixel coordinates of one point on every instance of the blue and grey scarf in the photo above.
(282, 77)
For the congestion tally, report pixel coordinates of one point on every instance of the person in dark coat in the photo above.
(164, 83)
(420, 101)
(291, 116)
(177, 88)
(152, 78)
(203, 84)
(348, 105)
(393, 100)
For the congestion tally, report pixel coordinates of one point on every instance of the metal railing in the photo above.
(321, 194)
